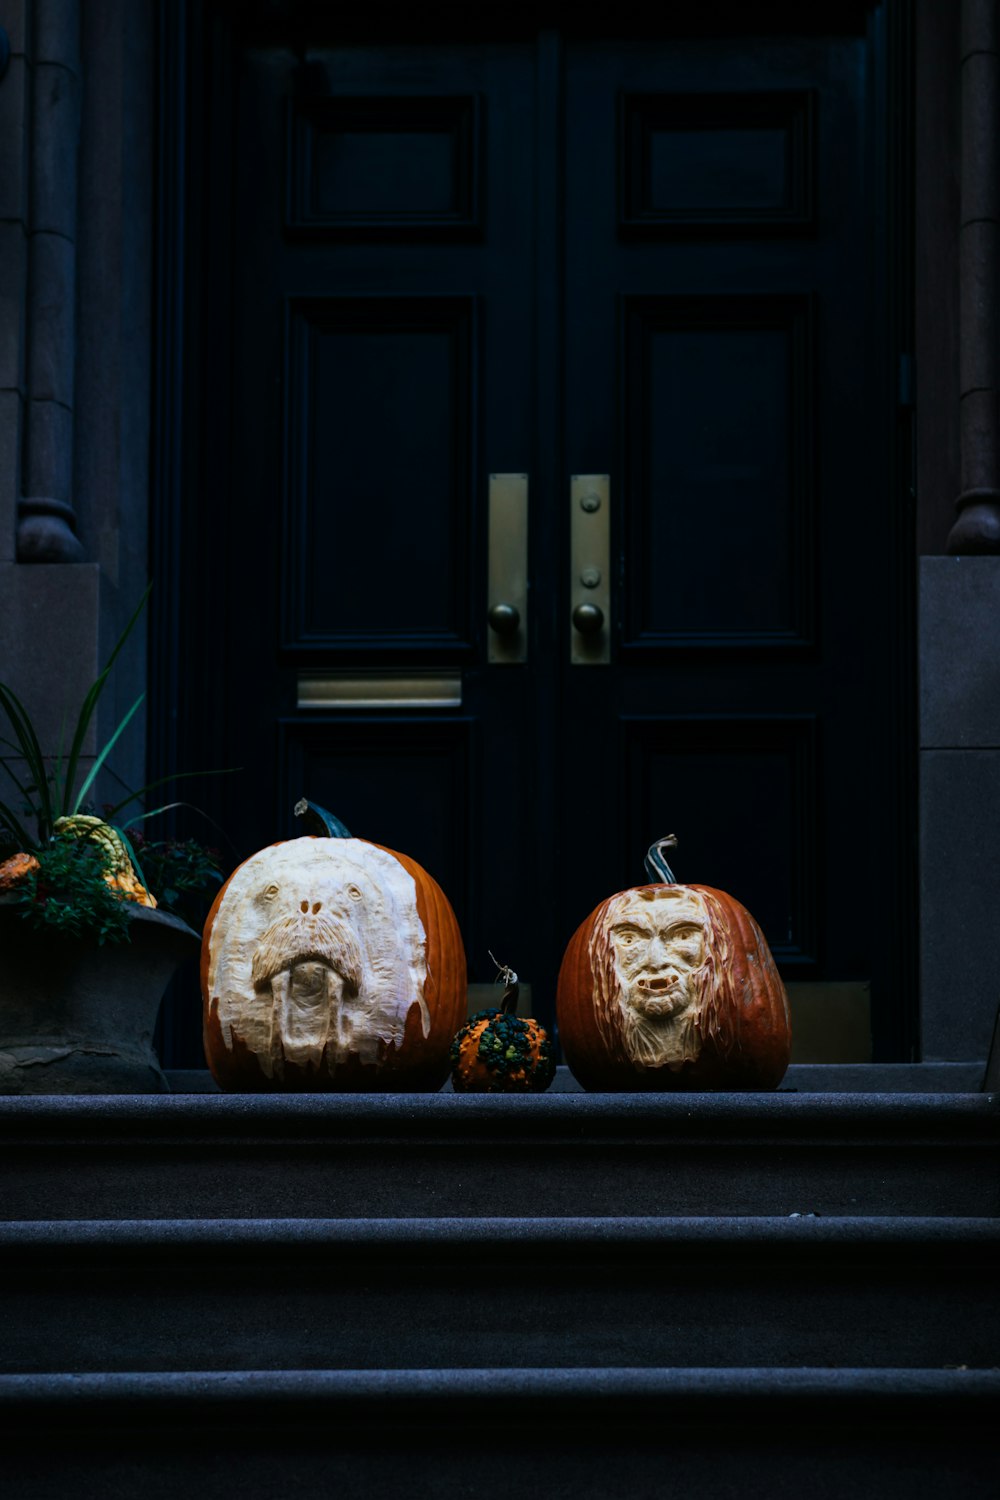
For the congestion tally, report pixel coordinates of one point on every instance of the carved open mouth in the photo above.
(657, 995)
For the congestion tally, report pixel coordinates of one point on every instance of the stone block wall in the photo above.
(76, 195)
(959, 804)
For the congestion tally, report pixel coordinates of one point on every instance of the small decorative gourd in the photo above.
(672, 987)
(500, 1052)
(121, 874)
(331, 963)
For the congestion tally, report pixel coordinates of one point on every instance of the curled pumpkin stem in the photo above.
(656, 864)
(506, 976)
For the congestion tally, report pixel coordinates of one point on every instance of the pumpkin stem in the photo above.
(656, 864)
(319, 820)
(508, 1000)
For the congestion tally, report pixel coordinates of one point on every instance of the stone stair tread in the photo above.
(444, 1434)
(93, 1116)
(701, 1387)
(392, 1155)
(767, 1233)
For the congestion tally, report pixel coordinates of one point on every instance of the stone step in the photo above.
(397, 1156)
(85, 1297)
(573, 1434)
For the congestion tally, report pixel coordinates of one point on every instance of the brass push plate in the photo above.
(590, 570)
(507, 603)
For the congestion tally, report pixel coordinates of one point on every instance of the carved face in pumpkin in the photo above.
(655, 958)
(318, 954)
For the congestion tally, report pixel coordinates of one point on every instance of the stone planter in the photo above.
(76, 1018)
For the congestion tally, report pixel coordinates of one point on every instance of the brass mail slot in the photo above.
(345, 690)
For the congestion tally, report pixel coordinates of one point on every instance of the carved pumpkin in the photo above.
(670, 986)
(500, 1052)
(331, 963)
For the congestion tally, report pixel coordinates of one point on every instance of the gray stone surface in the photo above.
(49, 640)
(959, 901)
(431, 1294)
(10, 471)
(57, 31)
(13, 288)
(959, 652)
(54, 147)
(15, 19)
(51, 316)
(13, 141)
(394, 1156)
(580, 1434)
(48, 456)
(801, 1078)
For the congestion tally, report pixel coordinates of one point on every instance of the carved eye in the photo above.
(354, 893)
(270, 892)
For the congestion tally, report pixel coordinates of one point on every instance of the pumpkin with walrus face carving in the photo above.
(672, 987)
(331, 963)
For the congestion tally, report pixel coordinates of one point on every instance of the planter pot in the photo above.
(76, 1018)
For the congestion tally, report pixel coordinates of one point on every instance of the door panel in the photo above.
(718, 398)
(648, 257)
(720, 363)
(380, 488)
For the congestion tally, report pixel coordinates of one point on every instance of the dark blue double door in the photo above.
(654, 259)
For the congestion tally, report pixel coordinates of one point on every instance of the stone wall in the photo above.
(76, 192)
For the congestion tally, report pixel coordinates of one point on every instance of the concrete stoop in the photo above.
(575, 1295)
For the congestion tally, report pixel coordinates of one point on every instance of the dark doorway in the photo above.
(646, 273)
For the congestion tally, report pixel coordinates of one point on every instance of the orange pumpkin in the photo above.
(331, 963)
(672, 987)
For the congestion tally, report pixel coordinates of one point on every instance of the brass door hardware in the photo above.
(507, 605)
(386, 690)
(590, 570)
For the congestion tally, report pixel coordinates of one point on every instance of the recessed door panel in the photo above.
(718, 403)
(379, 444)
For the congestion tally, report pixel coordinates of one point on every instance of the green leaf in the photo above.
(87, 711)
(98, 763)
(57, 770)
(31, 753)
(16, 827)
(162, 781)
(130, 851)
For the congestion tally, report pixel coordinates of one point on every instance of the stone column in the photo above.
(46, 526)
(977, 529)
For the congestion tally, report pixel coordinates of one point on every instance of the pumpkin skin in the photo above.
(672, 987)
(331, 964)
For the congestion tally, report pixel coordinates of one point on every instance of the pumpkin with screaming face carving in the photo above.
(672, 987)
(331, 963)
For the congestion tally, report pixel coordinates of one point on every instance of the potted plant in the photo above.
(87, 951)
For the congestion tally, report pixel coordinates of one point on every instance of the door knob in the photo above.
(588, 618)
(504, 618)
